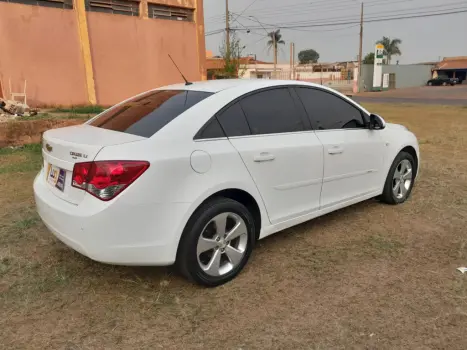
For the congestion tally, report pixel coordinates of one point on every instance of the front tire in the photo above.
(400, 180)
(217, 242)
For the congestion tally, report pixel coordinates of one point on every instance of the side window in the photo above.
(328, 111)
(233, 121)
(211, 130)
(272, 111)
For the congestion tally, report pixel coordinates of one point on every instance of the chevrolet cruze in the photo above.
(194, 174)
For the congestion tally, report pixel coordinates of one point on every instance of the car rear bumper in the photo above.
(114, 233)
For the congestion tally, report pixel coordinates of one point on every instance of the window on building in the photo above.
(61, 4)
(328, 111)
(170, 12)
(271, 112)
(118, 7)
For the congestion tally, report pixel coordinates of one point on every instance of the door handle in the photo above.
(336, 150)
(264, 157)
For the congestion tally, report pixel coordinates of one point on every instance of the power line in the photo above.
(301, 30)
(381, 19)
(402, 11)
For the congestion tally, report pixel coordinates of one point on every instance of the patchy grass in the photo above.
(370, 276)
(80, 110)
(55, 116)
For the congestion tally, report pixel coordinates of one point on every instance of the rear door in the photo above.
(284, 158)
(353, 154)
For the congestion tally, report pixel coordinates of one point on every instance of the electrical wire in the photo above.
(381, 19)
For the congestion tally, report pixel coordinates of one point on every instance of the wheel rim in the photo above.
(402, 179)
(222, 244)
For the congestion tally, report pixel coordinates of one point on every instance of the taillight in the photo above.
(106, 179)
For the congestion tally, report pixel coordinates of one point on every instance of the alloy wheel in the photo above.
(402, 179)
(222, 244)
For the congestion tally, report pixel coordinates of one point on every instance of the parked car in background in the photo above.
(442, 80)
(196, 174)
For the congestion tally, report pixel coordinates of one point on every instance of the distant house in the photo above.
(453, 67)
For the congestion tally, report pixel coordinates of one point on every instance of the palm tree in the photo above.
(276, 39)
(391, 47)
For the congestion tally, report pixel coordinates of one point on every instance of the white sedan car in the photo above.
(196, 174)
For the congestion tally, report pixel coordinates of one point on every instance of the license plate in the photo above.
(56, 177)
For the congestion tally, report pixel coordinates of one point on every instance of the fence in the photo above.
(344, 81)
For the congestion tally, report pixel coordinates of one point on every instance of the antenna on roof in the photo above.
(186, 81)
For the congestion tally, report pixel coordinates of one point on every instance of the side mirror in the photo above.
(376, 122)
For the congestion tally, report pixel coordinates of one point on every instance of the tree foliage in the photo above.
(369, 58)
(308, 56)
(276, 39)
(231, 56)
(391, 47)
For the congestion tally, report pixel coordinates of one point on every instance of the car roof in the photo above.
(224, 84)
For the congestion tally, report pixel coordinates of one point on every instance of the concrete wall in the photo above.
(411, 75)
(41, 45)
(128, 54)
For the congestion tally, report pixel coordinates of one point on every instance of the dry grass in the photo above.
(370, 276)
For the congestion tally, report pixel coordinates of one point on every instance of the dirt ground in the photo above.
(371, 276)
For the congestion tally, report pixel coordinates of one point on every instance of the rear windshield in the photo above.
(148, 113)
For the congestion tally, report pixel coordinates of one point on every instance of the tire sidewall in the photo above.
(195, 228)
(388, 187)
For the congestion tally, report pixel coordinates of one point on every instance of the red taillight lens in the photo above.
(106, 179)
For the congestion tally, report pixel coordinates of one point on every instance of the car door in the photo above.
(353, 154)
(272, 134)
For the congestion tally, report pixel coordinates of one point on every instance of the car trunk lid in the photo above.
(64, 147)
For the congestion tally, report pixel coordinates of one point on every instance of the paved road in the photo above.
(428, 95)
(399, 100)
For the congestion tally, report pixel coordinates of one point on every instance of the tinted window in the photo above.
(328, 111)
(147, 114)
(271, 111)
(233, 121)
(212, 130)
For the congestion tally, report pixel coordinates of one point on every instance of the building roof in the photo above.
(453, 63)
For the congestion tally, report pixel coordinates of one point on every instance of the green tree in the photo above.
(369, 58)
(275, 41)
(391, 47)
(231, 56)
(308, 56)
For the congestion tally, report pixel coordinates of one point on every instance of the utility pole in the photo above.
(291, 60)
(227, 27)
(360, 59)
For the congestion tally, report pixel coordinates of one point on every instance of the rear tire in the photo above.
(430, 84)
(445, 84)
(400, 179)
(217, 242)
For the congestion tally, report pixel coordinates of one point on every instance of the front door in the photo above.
(284, 157)
(353, 154)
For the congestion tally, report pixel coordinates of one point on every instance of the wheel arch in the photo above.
(242, 197)
(411, 150)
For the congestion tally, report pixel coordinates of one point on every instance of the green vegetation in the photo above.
(43, 116)
(79, 110)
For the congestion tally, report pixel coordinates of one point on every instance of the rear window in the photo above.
(147, 114)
